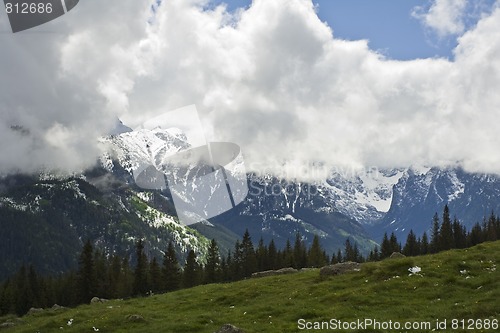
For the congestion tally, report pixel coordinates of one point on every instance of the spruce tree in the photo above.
(212, 268)
(272, 256)
(287, 255)
(395, 246)
(262, 256)
(411, 247)
(338, 258)
(446, 240)
(141, 285)
(316, 257)
(248, 260)
(155, 276)
(171, 270)
(299, 258)
(424, 244)
(86, 276)
(191, 276)
(386, 248)
(434, 245)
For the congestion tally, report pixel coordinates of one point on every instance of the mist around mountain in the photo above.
(46, 218)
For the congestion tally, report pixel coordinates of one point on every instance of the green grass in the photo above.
(383, 291)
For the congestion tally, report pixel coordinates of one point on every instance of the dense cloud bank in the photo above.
(272, 78)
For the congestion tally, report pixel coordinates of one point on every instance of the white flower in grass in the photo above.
(414, 270)
(70, 322)
(95, 329)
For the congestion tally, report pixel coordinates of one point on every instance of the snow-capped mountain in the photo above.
(364, 195)
(419, 194)
(107, 205)
(357, 204)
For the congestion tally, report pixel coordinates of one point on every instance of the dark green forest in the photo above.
(112, 277)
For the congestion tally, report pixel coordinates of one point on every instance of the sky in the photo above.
(341, 84)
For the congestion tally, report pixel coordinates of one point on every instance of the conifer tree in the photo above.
(287, 255)
(272, 256)
(316, 257)
(299, 253)
(191, 275)
(155, 276)
(338, 258)
(434, 245)
(262, 256)
(125, 283)
(395, 246)
(424, 244)
(248, 260)
(141, 285)
(350, 253)
(87, 280)
(475, 236)
(446, 240)
(459, 234)
(171, 270)
(386, 248)
(236, 267)
(491, 229)
(411, 248)
(212, 268)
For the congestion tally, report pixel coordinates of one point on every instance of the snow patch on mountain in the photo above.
(365, 195)
(142, 147)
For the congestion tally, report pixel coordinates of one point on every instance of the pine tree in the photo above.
(125, 283)
(248, 260)
(374, 254)
(228, 274)
(212, 268)
(236, 267)
(23, 292)
(171, 270)
(395, 246)
(191, 276)
(141, 285)
(338, 258)
(411, 247)
(459, 234)
(262, 256)
(491, 229)
(424, 244)
(287, 255)
(446, 240)
(86, 277)
(155, 276)
(475, 236)
(102, 282)
(299, 253)
(114, 276)
(434, 245)
(316, 257)
(349, 253)
(272, 256)
(386, 248)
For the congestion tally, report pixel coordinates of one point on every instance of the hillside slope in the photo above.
(458, 284)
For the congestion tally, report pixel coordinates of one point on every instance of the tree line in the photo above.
(111, 277)
(445, 234)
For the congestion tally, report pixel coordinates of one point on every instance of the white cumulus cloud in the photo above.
(271, 78)
(445, 17)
